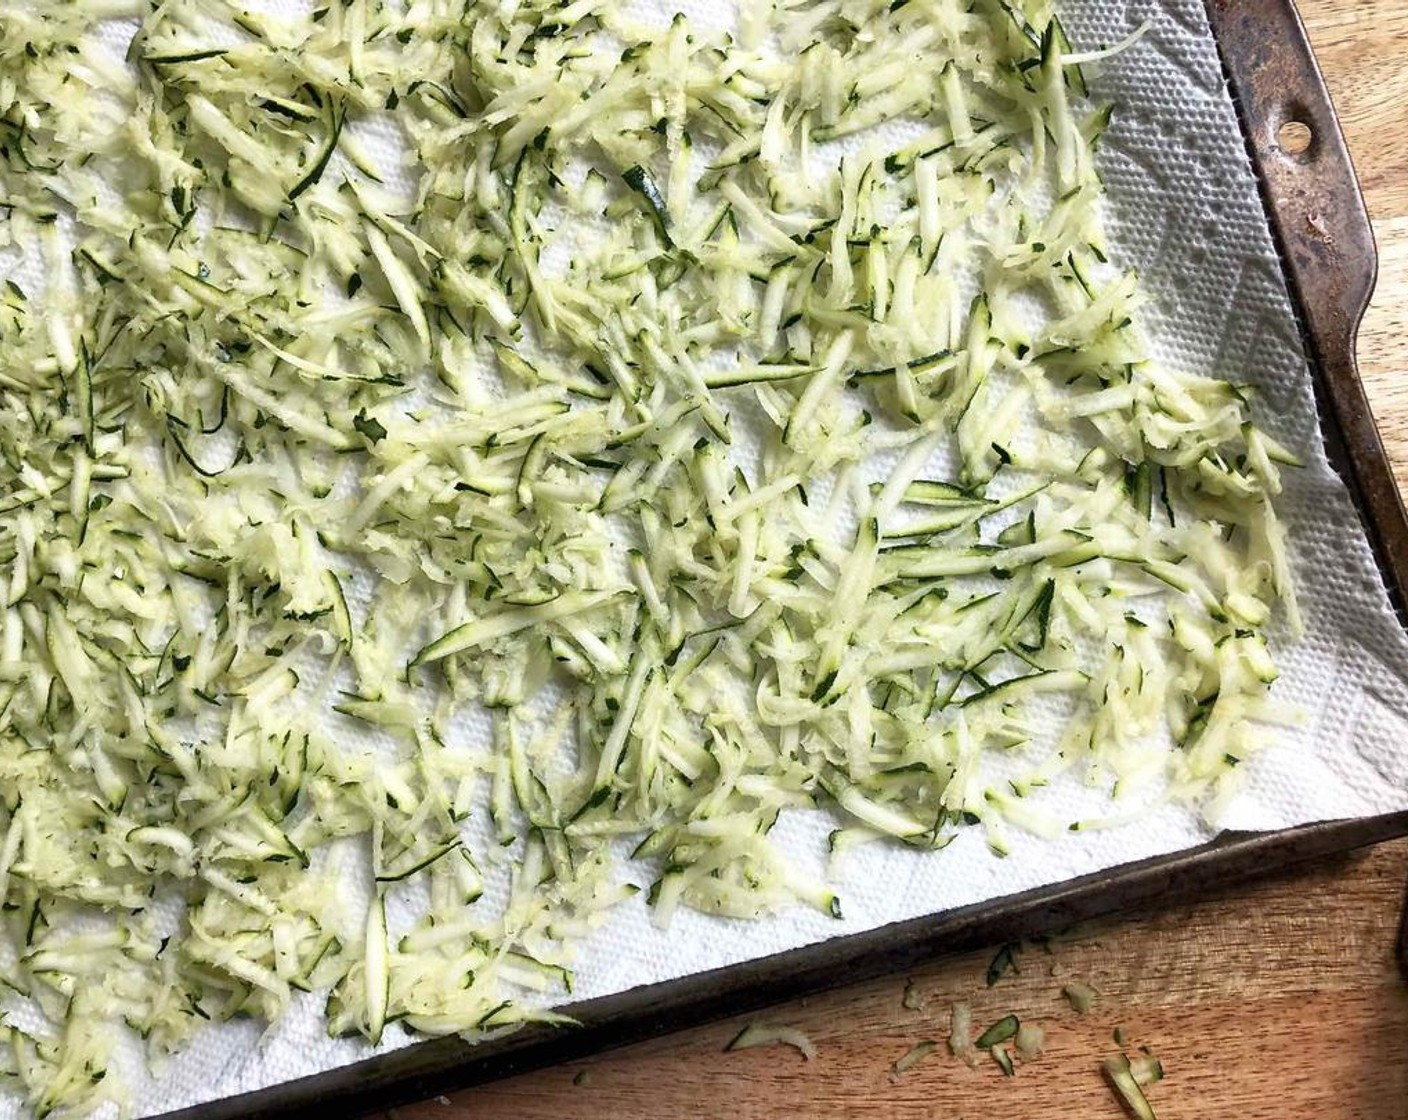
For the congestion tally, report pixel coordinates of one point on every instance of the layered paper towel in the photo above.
(1184, 209)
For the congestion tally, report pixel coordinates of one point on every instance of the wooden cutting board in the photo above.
(1274, 1002)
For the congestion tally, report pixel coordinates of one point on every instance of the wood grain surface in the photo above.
(1277, 1001)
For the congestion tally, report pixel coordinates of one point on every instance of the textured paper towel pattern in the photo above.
(1185, 211)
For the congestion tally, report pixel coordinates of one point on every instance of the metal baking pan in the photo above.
(1317, 217)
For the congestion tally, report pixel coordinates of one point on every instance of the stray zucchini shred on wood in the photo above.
(762, 1034)
(1128, 1079)
(913, 1056)
(1002, 1030)
(1080, 995)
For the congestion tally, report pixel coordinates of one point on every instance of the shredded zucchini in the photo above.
(763, 1034)
(659, 446)
(1120, 1073)
(913, 1056)
(1005, 1028)
(1081, 996)
(960, 1035)
(1003, 962)
(1030, 1040)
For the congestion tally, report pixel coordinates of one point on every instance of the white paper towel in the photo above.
(1185, 211)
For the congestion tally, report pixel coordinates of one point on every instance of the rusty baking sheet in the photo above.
(1321, 229)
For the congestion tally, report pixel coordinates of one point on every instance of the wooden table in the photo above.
(1278, 1001)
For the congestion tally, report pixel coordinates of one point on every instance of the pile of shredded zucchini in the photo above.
(690, 427)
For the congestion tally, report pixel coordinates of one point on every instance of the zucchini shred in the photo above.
(408, 560)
